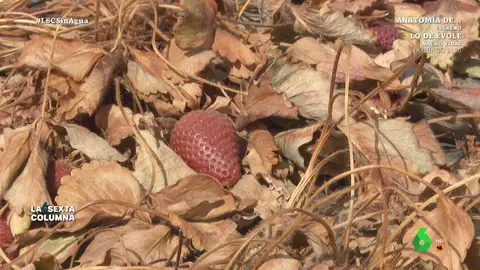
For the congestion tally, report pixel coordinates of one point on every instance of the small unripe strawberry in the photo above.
(385, 33)
(208, 143)
(56, 170)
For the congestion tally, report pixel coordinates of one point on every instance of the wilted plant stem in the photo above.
(350, 153)
(326, 130)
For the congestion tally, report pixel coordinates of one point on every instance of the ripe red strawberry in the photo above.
(55, 172)
(208, 143)
(386, 34)
(6, 237)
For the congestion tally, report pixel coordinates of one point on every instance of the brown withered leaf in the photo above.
(263, 142)
(353, 6)
(270, 8)
(197, 197)
(166, 109)
(206, 236)
(221, 104)
(456, 226)
(388, 148)
(19, 224)
(332, 24)
(143, 243)
(149, 61)
(401, 50)
(306, 88)
(91, 93)
(110, 120)
(436, 173)
(58, 83)
(290, 141)
(30, 187)
(172, 169)
(279, 261)
(248, 188)
(15, 154)
(228, 46)
(466, 99)
(313, 52)
(225, 233)
(239, 71)
(253, 161)
(144, 82)
(190, 62)
(89, 143)
(196, 29)
(427, 141)
(263, 102)
(147, 73)
(74, 58)
(317, 236)
(60, 247)
(98, 180)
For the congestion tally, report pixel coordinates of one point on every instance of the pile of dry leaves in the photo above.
(354, 134)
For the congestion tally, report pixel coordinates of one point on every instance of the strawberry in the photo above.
(55, 172)
(6, 237)
(386, 34)
(208, 143)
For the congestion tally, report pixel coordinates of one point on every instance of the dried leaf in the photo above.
(362, 67)
(263, 102)
(455, 224)
(206, 236)
(387, 147)
(255, 163)
(317, 236)
(144, 82)
(225, 233)
(270, 8)
(408, 11)
(30, 187)
(188, 62)
(143, 243)
(307, 89)
(281, 262)
(99, 180)
(467, 98)
(248, 188)
(265, 145)
(196, 29)
(228, 46)
(332, 24)
(172, 169)
(15, 154)
(197, 197)
(110, 120)
(89, 96)
(74, 58)
(352, 6)
(221, 104)
(290, 141)
(19, 224)
(90, 144)
(427, 141)
(147, 73)
(61, 247)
